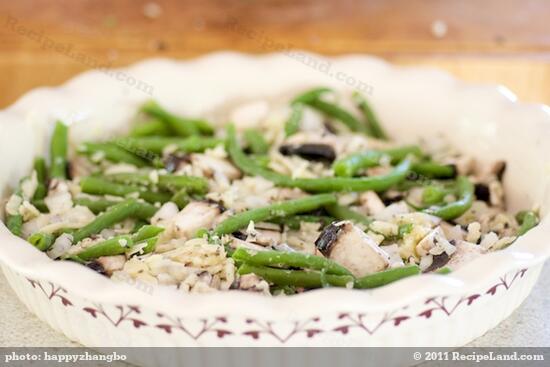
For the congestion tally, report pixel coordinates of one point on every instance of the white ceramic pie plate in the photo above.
(429, 310)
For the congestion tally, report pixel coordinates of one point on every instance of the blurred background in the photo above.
(45, 42)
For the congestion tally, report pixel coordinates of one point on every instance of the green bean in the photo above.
(149, 128)
(151, 145)
(151, 245)
(374, 127)
(349, 166)
(256, 142)
(385, 277)
(282, 209)
(261, 160)
(114, 246)
(193, 184)
(73, 258)
(204, 127)
(404, 229)
(433, 194)
(332, 184)
(14, 222)
(276, 290)
(292, 125)
(310, 95)
(42, 241)
(174, 183)
(344, 213)
(143, 211)
(58, 151)
(138, 225)
(443, 271)
(434, 170)
(96, 206)
(100, 186)
(465, 192)
(527, 220)
(295, 221)
(181, 198)
(338, 113)
(326, 184)
(400, 153)
(182, 126)
(115, 214)
(40, 204)
(146, 232)
(40, 169)
(280, 259)
(298, 278)
(112, 152)
(61, 231)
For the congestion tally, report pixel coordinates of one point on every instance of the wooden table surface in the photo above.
(496, 41)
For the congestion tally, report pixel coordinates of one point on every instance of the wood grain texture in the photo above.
(47, 42)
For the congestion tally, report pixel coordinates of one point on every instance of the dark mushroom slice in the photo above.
(219, 204)
(328, 237)
(438, 262)
(391, 197)
(482, 192)
(349, 246)
(239, 235)
(311, 152)
(499, 169)
(175, 161)
(106, 265)
(97, 267)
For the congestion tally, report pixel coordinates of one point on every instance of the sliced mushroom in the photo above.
(464, 165)
(496, 193)
(97, 267)
(196, 215)
(28, 186)
(455, 232)
(108, 264)
(310, 152)
(435, 243)
(59, 198)
(371, 202)
(166, 212)
(465, 253)
(499, 169)
(175, 161)
(240, 235)
(482, 192)
(265, 234)
(253, 283)
(61, 245)
(392, 196)
(352, 248)
(438, 261)
(210, 165)
(392, 211)
(237, 243)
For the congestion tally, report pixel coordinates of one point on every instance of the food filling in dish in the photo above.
(288, 197)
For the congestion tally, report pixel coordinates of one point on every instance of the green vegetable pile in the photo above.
(445, 193)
